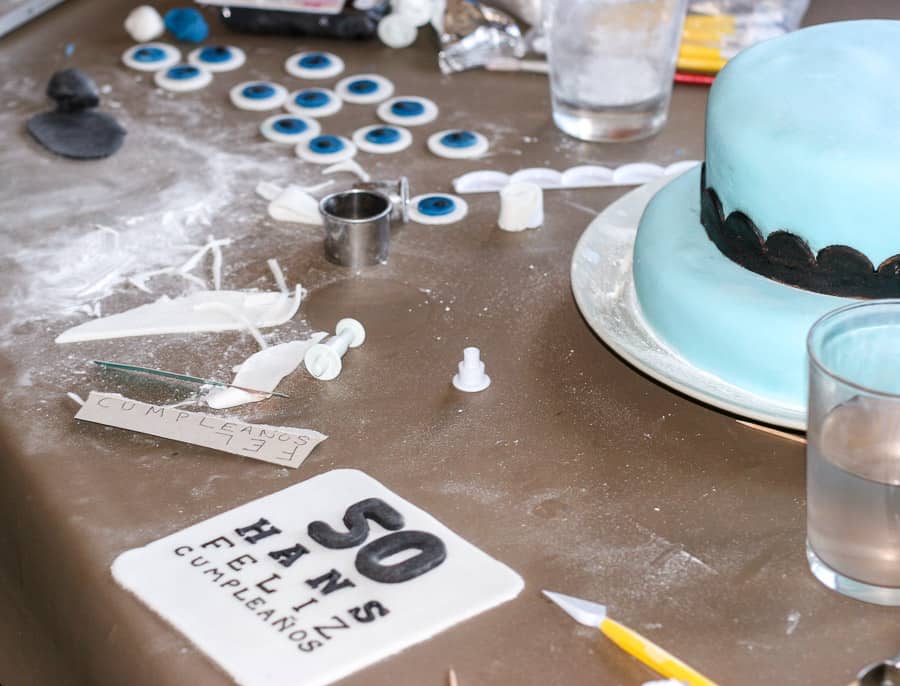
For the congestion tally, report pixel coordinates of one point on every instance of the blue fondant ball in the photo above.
(187, 24)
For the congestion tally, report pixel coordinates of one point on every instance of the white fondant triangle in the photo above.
(203, 311)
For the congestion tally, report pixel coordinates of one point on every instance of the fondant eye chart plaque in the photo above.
(315, 582)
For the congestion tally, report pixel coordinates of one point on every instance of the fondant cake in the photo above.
(795, 211)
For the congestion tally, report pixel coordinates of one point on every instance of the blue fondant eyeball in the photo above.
(258, 95)
(313, 102)
(437, 208)
(314, 65)
(382, 139)
(217, 58)
(289, 128)
(151, 56)
(182, 78)
(458, 144)
(364, 89)
(326, 150)
(408, 110)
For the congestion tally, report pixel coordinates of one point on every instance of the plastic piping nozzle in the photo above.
(323, 360)
(471, 377)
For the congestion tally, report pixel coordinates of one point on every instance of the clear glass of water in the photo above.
(611, 65)
(853, 452)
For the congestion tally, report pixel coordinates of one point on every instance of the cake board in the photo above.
(603, 286)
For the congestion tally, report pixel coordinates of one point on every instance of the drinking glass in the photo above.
(853, 451)
(611, 65)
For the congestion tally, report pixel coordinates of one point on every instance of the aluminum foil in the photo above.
(473, 34)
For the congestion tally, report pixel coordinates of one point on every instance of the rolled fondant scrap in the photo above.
(186, 24)
(84, 135)
(73, 129)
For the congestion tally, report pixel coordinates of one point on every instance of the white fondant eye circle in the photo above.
(326, 150)
(313, 102)
(408, 110)
(382, 139)
(151, 56)
(437, 208)
(314, 65)
(289, 128)
(457, 144)
(258, 96)
(182, 78)
(217, 58)
(364, 89)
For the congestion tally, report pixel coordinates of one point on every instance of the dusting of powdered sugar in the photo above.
(81, 229)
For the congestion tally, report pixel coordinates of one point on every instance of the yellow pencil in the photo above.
(594, 614)
(708, 52)
(704, 35)
(701, 64)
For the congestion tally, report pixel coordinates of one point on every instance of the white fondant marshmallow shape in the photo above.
(144, 24)
(521, 207)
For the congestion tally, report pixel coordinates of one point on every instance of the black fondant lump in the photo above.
(73, 129)
(72, 90)
(783, 256)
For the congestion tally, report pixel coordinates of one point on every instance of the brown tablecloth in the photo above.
(577, 471)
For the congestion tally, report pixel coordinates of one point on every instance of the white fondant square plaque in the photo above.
(312, 583)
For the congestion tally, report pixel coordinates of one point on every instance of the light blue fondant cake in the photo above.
(802, 136)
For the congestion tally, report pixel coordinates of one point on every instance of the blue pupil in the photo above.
(407, 108)
(149, 54)
(215, 54)
(289, 125)
(316, 61)
(258, 91)
(326, 145)
(182, 72)
(436, 205)
(312, 99)
(363, 87)
(459, 139)
(383, 136)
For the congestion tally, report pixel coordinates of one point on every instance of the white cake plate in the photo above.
(603, 285)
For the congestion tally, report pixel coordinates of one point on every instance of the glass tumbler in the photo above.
(853, 451)
(611, 65)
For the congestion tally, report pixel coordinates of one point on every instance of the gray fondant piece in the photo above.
(83, 135)
(72, 90)
(73, 129)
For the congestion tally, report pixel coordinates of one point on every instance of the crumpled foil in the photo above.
(473, 34)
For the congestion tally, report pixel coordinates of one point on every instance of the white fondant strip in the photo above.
(237, 316)
(293, 204)
(285, 446)
(278, 275)
(190, 314)
(272, 601)
(582, 176)
(351, 166)
(262, 371)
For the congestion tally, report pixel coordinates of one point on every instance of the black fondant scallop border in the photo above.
(785, 257)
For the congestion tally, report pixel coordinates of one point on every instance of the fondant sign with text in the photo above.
(314, 582)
